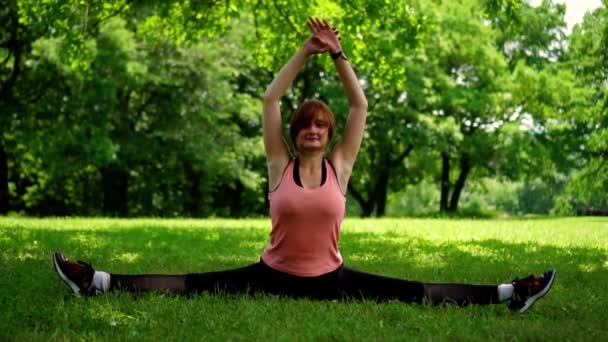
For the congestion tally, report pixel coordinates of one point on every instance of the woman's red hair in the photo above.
(305, 113)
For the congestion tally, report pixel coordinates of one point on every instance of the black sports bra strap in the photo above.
(296, 172)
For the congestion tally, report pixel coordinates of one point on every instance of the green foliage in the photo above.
(376, 47)
(485, 197)
(538, 39)
(509, 11)
(586, 59)
(131, 98)
(417, 200)
(152, 108)
(585, 194)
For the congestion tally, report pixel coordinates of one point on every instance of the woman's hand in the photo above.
(324, 35)
(314, 45)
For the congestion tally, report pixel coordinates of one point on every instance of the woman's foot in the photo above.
(78, 276)
(530, 289)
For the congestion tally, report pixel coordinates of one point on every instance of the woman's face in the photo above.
(314, 136)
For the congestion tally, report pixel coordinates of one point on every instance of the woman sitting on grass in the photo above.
(307, 205)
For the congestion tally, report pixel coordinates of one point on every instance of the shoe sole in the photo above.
(530, 301)
(63, 277)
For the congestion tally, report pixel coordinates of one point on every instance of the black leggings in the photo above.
(343, 284)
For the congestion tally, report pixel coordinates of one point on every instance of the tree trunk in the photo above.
(15, 48)
(382, 188)
(376, 198)
(367, 206)
(445, 182)
(4, 195)
(367, 209)
(192, 203)
(465, 168)
(380, 192)
(236, 207)
(115, 189)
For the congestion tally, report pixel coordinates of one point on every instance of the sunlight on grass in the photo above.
(233, 259)
(126, 257)
(255, 245)
(112, 317)
(213, 236)
(25, 255)
(93, 224)
(88, 239)
(588, 267)
(364, 257)
(29, 250)
(36, 305)
(432, 261)
(479, 251)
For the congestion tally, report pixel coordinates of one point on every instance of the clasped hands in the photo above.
(324, 37)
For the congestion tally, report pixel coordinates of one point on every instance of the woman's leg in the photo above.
(245, 280)
(83, 279)
(261, 278)
(256, 278)
(345, 283)
(356, 284)
(353, 284)
(148, 282)
(248, 279)
(461, 294)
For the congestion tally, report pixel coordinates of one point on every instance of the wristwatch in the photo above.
(339, 54)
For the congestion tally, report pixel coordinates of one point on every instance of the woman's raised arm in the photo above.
(277, 154)
(344, 154)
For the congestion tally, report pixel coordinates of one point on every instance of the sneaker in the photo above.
(528, 290)
(78, 276)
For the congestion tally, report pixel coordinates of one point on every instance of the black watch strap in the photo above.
(339, 54)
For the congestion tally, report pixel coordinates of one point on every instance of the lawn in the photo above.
(36, 305)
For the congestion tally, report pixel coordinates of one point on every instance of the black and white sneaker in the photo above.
(78, 276)
(530, 289)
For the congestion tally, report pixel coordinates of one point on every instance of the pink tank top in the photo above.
(305, 226)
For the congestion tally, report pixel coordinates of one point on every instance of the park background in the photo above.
(130, 137)
(130, 108)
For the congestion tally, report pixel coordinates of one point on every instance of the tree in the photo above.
(158, 123)
(539, 38)
(385, 56)
(24, 22)
(467, 77)
(587, 59)
(90, 87)
(376, 49)
(494, 124)
(101, 79)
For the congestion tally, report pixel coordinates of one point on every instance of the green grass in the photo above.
(36, 305)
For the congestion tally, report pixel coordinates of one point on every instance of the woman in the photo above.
(307, 205)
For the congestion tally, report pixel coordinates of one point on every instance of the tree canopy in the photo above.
(131, 108)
